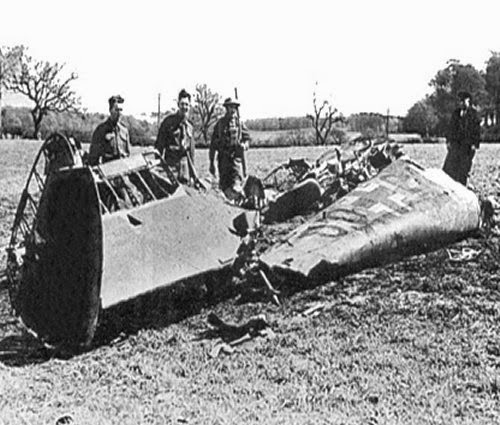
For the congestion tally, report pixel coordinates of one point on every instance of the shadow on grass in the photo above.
(23, 349)
(17, 346)
(425, 274)
(154, 310)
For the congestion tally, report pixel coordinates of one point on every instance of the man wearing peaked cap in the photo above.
(230, 139)
(110, 139)
(463, 139)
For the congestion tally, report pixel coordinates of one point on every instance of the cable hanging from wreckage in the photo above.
(88, 238)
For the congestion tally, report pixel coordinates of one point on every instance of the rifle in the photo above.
(242, 154)
(194, 173)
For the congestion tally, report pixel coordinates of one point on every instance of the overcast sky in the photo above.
(366, 55)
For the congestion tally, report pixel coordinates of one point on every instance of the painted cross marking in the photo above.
(398, 198)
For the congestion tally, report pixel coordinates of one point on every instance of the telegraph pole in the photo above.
(387, 124)
(159, 111)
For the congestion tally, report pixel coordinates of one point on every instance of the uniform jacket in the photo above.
(109, 141)
(228, 136)
(465, 130)
(175, 138)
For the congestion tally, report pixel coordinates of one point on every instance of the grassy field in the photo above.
(417, 342)
(282, 137)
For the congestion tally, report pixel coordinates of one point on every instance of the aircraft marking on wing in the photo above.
(398, 198)
(349, 200)
(387, 185)
(368, 188)
(383, 197)
(381, 208)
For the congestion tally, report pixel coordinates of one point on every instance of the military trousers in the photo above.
(179, 165)
(231, 175)
(458, 162)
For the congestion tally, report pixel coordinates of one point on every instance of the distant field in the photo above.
(417, 342)
(306, 136)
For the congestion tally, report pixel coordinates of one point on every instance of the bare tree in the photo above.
(207, 109)
(323, 119)
(43, 83)
(10, 58)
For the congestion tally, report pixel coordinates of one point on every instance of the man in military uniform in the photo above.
(463, 139)
(230, 140)
(110, 139)
(175, 140)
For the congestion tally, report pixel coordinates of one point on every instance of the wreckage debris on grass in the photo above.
(87, 225)
(298, 186)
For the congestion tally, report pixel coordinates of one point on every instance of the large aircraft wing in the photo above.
(404, 210)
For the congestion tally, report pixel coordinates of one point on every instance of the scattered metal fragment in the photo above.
(462, 255)
(229, 347)
(230, 332)
(65, 420)
(219, 348)
(234, 335)
(314, 310)
(273, 292)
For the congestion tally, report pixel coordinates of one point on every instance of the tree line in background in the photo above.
(430, 115)
(18, 123)
(56, 107)
(289, 131)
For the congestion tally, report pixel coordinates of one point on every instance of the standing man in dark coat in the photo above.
(110, 139)
(463, 139)
(175, 140)
(230, 140)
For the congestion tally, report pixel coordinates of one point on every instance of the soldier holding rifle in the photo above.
(175, 140)
(230, 140)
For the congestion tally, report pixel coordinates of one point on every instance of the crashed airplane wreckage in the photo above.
(299, 186)
(402, 211)
(88, 238)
